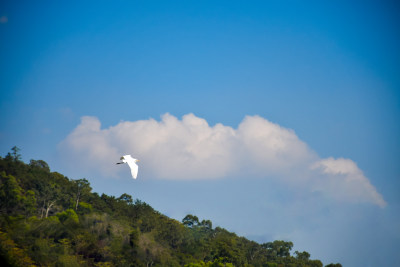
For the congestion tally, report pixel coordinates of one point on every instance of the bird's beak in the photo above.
(137, 160)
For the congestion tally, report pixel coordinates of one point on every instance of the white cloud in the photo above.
(191, 149)
(90, 146)
(342, 179)
(268, 148)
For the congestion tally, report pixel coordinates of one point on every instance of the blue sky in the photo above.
(276, 120)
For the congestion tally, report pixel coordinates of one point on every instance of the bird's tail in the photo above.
(119, 163)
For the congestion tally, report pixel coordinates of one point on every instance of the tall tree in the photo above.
(279, 248)
(190, 220)
(82, 188)
(126, 198)
(15, 153)
(304, 256)
(41, 164)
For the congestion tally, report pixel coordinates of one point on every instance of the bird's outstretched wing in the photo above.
(134, 169)
(132, 164)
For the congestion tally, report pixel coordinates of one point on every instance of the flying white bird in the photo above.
(132, 164)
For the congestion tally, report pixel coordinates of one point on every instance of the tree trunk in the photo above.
(77, 199)
(41, 215)
(77, 202)
(49, 207)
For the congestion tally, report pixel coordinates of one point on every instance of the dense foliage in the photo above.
(47, 219)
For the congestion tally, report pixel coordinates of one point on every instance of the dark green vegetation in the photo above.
(47, 219)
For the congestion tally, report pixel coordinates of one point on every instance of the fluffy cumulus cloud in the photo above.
(192, 149)
(345, 180)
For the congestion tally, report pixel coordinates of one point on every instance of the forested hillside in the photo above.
(47, 219)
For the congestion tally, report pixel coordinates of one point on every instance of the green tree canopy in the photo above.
(47, 219)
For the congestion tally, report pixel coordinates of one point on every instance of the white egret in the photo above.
(132, 164)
